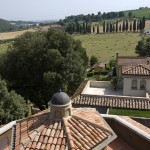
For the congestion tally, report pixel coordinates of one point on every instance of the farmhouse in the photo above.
(134, 75)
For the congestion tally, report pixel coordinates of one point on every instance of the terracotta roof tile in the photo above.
(41, 132)
(138, 70)
(111, 101)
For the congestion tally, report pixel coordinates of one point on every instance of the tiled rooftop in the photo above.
(138, 70)
(113, 101)
(132, 60)
(85, 129)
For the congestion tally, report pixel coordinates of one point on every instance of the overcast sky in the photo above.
(58, 9)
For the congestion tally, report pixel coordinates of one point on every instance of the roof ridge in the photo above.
(94, 124)
(68, 133)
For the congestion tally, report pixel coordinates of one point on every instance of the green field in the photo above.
(127, 112)
(3, 47)
(105, 46)
(139, 13)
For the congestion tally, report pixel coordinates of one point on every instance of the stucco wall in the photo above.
(5, 140)
(128, 91)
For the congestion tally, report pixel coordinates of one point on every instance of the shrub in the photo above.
(90, 74)
(104, 72)
(97, 72)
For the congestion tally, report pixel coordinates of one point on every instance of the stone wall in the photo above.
(100, 84)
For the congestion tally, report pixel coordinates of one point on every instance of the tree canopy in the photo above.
(143, 47)
(12, 106)
(38, 64)
(93, 60)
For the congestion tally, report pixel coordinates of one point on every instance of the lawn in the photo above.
(105, 46)
(4, 47)
(127, 112)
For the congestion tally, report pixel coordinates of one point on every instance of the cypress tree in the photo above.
(104, 27)
(127, 25)
(117, 26)
(107, 28)
(77, 27)
(143, 23)
(84, 28)
(111, 27)
(120, 28)
(130, 26)
(93, 29)
(98, 29)
(134, 25)
(140, 25)
(123, 27)
(137, 26)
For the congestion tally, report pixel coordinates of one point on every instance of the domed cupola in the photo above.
(60, 105)
(60, 98)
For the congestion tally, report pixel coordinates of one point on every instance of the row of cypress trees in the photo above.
(86, 27)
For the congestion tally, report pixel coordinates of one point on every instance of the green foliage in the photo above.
(114, 82)
(130, 14)
(97, 72)
(104, 72)
(90, 74)
(143, 47)
(38, 64)
(112, 63)
(103, 78)
(93, 60)
(12, 106)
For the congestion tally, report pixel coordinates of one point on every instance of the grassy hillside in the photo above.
(139, 13)
(105, 46)
(5, 26)
(4, 47)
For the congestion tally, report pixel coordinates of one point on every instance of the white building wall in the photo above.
(148, 85)
(128, 91)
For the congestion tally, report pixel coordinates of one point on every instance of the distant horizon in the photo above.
(36, 10)
(66, 16)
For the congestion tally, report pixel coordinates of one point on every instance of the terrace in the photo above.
(100, 94)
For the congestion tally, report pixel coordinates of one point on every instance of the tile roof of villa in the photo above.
(138, 70)
(123, 60)
(113, 101)
(85, 129)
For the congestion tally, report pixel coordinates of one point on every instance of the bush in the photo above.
(104, 72)
(97, 72)
(90, 74)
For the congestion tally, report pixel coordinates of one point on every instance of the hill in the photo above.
(5, 26)
(105, 46)
(139, 13)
